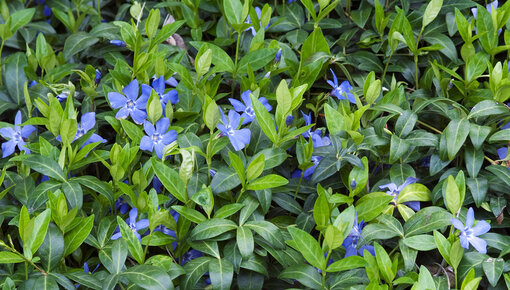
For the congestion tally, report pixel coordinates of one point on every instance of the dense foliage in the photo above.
(241, 144)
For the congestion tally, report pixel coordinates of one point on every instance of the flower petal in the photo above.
(481, 228)
(457, 224)
(117, 100)
(159, 149)
(146, 90)
(266, 104)
(238, 106)
(122, 113)
(502, 152)
(149, 128)
(8, 148)
(470, 218)
(131, 90)
(88, 121)
(17, 119)
(138, 116)
(116, 236)
(479, 244)
(146, 143)
(162, 125)
(169, 137)
(7, 132)
(233, 119)
(142, 224)
(159, 85)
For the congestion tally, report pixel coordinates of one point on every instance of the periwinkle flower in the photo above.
(171, 81)
(47, 11)
(238, 138)
(87, 270)
(278, 56)
(32, 83)
(353, 184)
(158, 85)
(343, 90)
(121, 205)
(167, 231)
(503, 151)
(212, 172)
(247, 108)
(318, 140)
(129, 103)
(469, 234)
(190, 255)
(248, 20)
(267, 75)
(394, 191)
(97, 78)
(309, 171)
(133, 224)
(157, 138)
(88, 121)
(118, 43)
(63, 95)
(351, 241)
(156, 184)
(16, 136)
(289, 120)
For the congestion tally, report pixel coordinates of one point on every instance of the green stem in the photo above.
(147, 246)
(324, 270)
(1, 49)
(416, 72)
(299, 184)
(234, 75)
(386, 66)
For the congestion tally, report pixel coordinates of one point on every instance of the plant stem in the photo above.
(1, 49)
(416, 72)
(386, 67)
(234, 75)
(299, 184)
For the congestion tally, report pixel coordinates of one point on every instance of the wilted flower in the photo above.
(88, 121)
(157, 138)
(118, 43)
(134, 225)
(247, 108)
(351, 241)
(394, 190)
(16, 136)
(132, 105)
(238, 138)
(469, 234)
(341, 91)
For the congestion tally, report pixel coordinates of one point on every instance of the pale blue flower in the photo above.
(469, 234)
(246, 108)
(341, 91)
(350, 243)
(158, 85)
(157, 138)
(129, 103)
(238, 138)
(16, 136)
(394, 191)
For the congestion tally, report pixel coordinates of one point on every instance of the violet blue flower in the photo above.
(63, 95)
(341, 91)
(190, 255)
(87, 270)
(469, 234)
(134, 225)
(238, 138)
(97, 78)
(16, 136)
(129, 103)
(278, 56)
(248, 21)
(157, 138)
(351, 241)
(156, 184)
(318, 140)
(121, 205)
(503, 151)
(118, 43)
(32, 83)
(212, 172)
(47, 11)
(88, 121)
(167, 231)
(159, 87)
(289, 120)
(394, 190)
(247, 108)
(309, 171)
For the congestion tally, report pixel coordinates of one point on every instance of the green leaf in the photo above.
(45, 165)
(448, 47)
(96, 185)
(487, 108)
(238, 165)
(225, 179)
(221, 60)
(502, 135)
(478, 188)
(170, 180)
(256, 60)
(477, 134)
(305, 274)
(212, 228)
(420, 242)
(73, 193)
(414, 192)
(405, 123)
(256, 167)
(321, 210)
(232, 9)
(476, 65)
(493, 268)
(134, 246)
(132, 130)
(10, 258)
(190, 214)
(221, 273)
(372, 204)
(452, 195)
(334, 120)
(425, 280)
(384, 263)
(77, 236)
(119, 255)
(426, 220)
(152, 22)
(268, 231)
(148, 277)
(347, 263)
(77, 42)
(398, 147)
(20, 18)
(308, 247)
(15, 77)
(431, 12)
(443, 245)
(86, 279)
(194, 269)
(268, 181)
(244, 241)
(456, 133)
(52, 248)
(39, 229)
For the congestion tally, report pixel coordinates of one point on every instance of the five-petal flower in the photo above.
(88, 121)
(469, 234)
(343, 90)
(129, 103)
(351, 241)
(248, 114)
(238, 138)
(16, 136)
(394, 190)
(159, 87)
(134, 225)
(157, 138)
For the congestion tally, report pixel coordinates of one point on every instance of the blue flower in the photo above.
(87, 271)
(238, 138)
(47, 11)
(134, 225)
(351, 241)
(97, 78)
(130, 105)
(156, 184)
(503, 151)
(309, 171)
(32, 83)
(289, 120)
(121, 205)
(118, 43)
(248, 20)
(167, 231)
(190, 255)
(318, 140)
(16, 136)
(290, 1)
(171, 81)
(247, 108)
(88, 121)
(394, 190)
(157, 138)
(158, 85)
(489, 7)
(341, 91)
(469, 234)
(63, 95)
(278, 56)
(212, 172)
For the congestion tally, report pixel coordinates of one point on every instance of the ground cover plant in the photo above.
(203, 144)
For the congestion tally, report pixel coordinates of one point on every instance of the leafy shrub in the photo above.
(243, 144)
